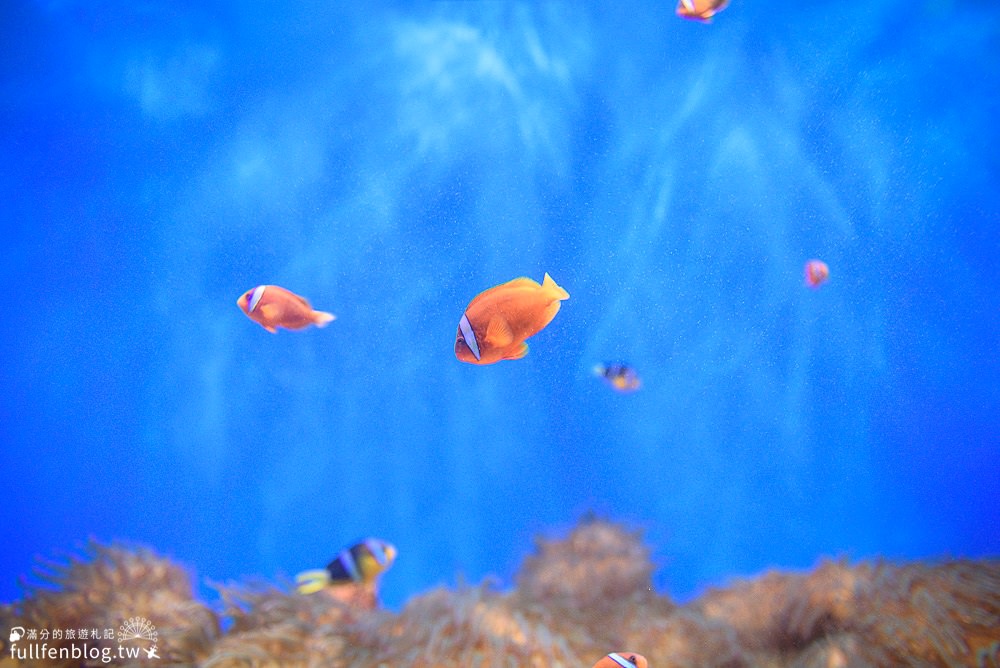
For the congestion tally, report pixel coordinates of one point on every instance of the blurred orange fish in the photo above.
(621, 377)
(497, 321)
(816, 273)
(271, 307)
(623, 660)
(700, 10)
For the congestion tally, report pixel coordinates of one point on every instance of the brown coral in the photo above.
(470, 627)
(686, 639)
(600, 562)
(946, 614)
(576, 599)
(270, 626)
(593, 586)
(107, 585)
(787, 612)
(869, 614)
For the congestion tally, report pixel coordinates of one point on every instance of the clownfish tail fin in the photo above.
(310, 582)
(322, 318)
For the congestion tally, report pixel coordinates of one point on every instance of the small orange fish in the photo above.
(700, 10)
(620, 377)
(623, 660)
(496, 323)
(816, 273)
(272, 307)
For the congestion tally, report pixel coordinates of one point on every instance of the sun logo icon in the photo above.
(137, 628)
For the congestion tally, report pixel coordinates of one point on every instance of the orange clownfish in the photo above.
(496, 323)
(700, 10)
(271, 307)
(623, 660)
(816, 273)
(620, 377)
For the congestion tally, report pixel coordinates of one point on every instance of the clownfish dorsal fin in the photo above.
(498, 332)
(549, 284)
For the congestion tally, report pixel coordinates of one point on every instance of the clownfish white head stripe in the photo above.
(621, 660)
(258, 292)
(378, 550)
(469, 335)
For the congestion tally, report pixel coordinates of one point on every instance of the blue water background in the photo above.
(389, 162)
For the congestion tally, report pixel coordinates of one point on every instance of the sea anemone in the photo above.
(575, 600)
(470, 627)
(945, 614)
(599, 563)
(102, 588)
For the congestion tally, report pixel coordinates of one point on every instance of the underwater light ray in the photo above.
(644, 233)
(457, 69)
(735, 362)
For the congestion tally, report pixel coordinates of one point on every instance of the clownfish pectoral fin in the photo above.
(271, 329)
(310, 582)
(557, 291)
(498, 332)
(518, 353)
(322, 318)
